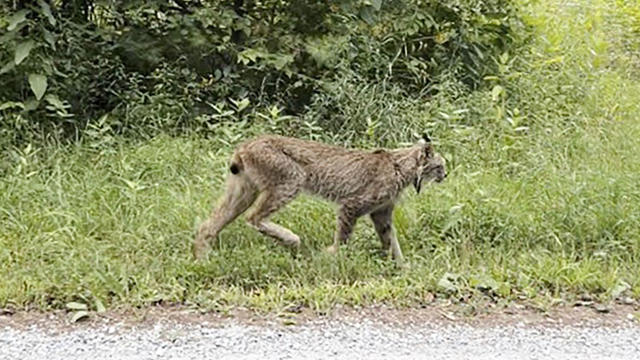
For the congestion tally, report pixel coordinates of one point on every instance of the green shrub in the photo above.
(156, 67)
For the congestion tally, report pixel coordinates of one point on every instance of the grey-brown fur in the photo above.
(269, 171)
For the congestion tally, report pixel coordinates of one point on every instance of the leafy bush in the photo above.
(158, 66)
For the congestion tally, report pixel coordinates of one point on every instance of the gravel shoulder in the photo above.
(371, 333)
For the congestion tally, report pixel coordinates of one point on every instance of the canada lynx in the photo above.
(269, 171)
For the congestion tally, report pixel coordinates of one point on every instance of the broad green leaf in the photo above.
(17, 18)
(48, 37)
(7, 67)
(620, 288)
(38, 84)
(79, 315)
(504, 289)
(274, 111)
(280, 61)
(22, 51)
(504, 58)
(54, 101)
(249, 55)
(367, 15)
(46, 9)
(9, 35)
(376, 4)
(449, 282)
(441, 38)
(240, 105)
(76, 306)
(31, 104)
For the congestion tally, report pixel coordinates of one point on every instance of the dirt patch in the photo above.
(478, 315)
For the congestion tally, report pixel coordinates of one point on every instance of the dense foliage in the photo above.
(68, 66)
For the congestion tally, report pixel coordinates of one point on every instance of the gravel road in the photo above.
(333, 339)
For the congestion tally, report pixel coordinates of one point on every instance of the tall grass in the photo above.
(541, 201)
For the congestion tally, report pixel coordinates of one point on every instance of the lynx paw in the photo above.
(332, 250)
(200, 253)
(293, 241)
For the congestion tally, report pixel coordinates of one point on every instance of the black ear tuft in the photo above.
(426, 138)
(234, 169)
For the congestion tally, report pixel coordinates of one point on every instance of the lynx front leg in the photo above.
(346, 221)
(383, 222)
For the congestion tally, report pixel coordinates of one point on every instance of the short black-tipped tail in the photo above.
(236, 164)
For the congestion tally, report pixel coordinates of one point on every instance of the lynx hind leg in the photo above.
(269, 201)
(239, 195)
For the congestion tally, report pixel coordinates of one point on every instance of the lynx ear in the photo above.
(426, 150)
(424, 140)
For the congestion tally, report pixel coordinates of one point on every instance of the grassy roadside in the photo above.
(541, 202)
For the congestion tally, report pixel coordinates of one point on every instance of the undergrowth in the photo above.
(540, 202)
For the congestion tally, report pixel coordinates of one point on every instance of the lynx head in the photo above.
(431, 166)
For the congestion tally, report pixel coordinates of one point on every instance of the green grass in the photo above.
(541, 201)
(82, 224)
